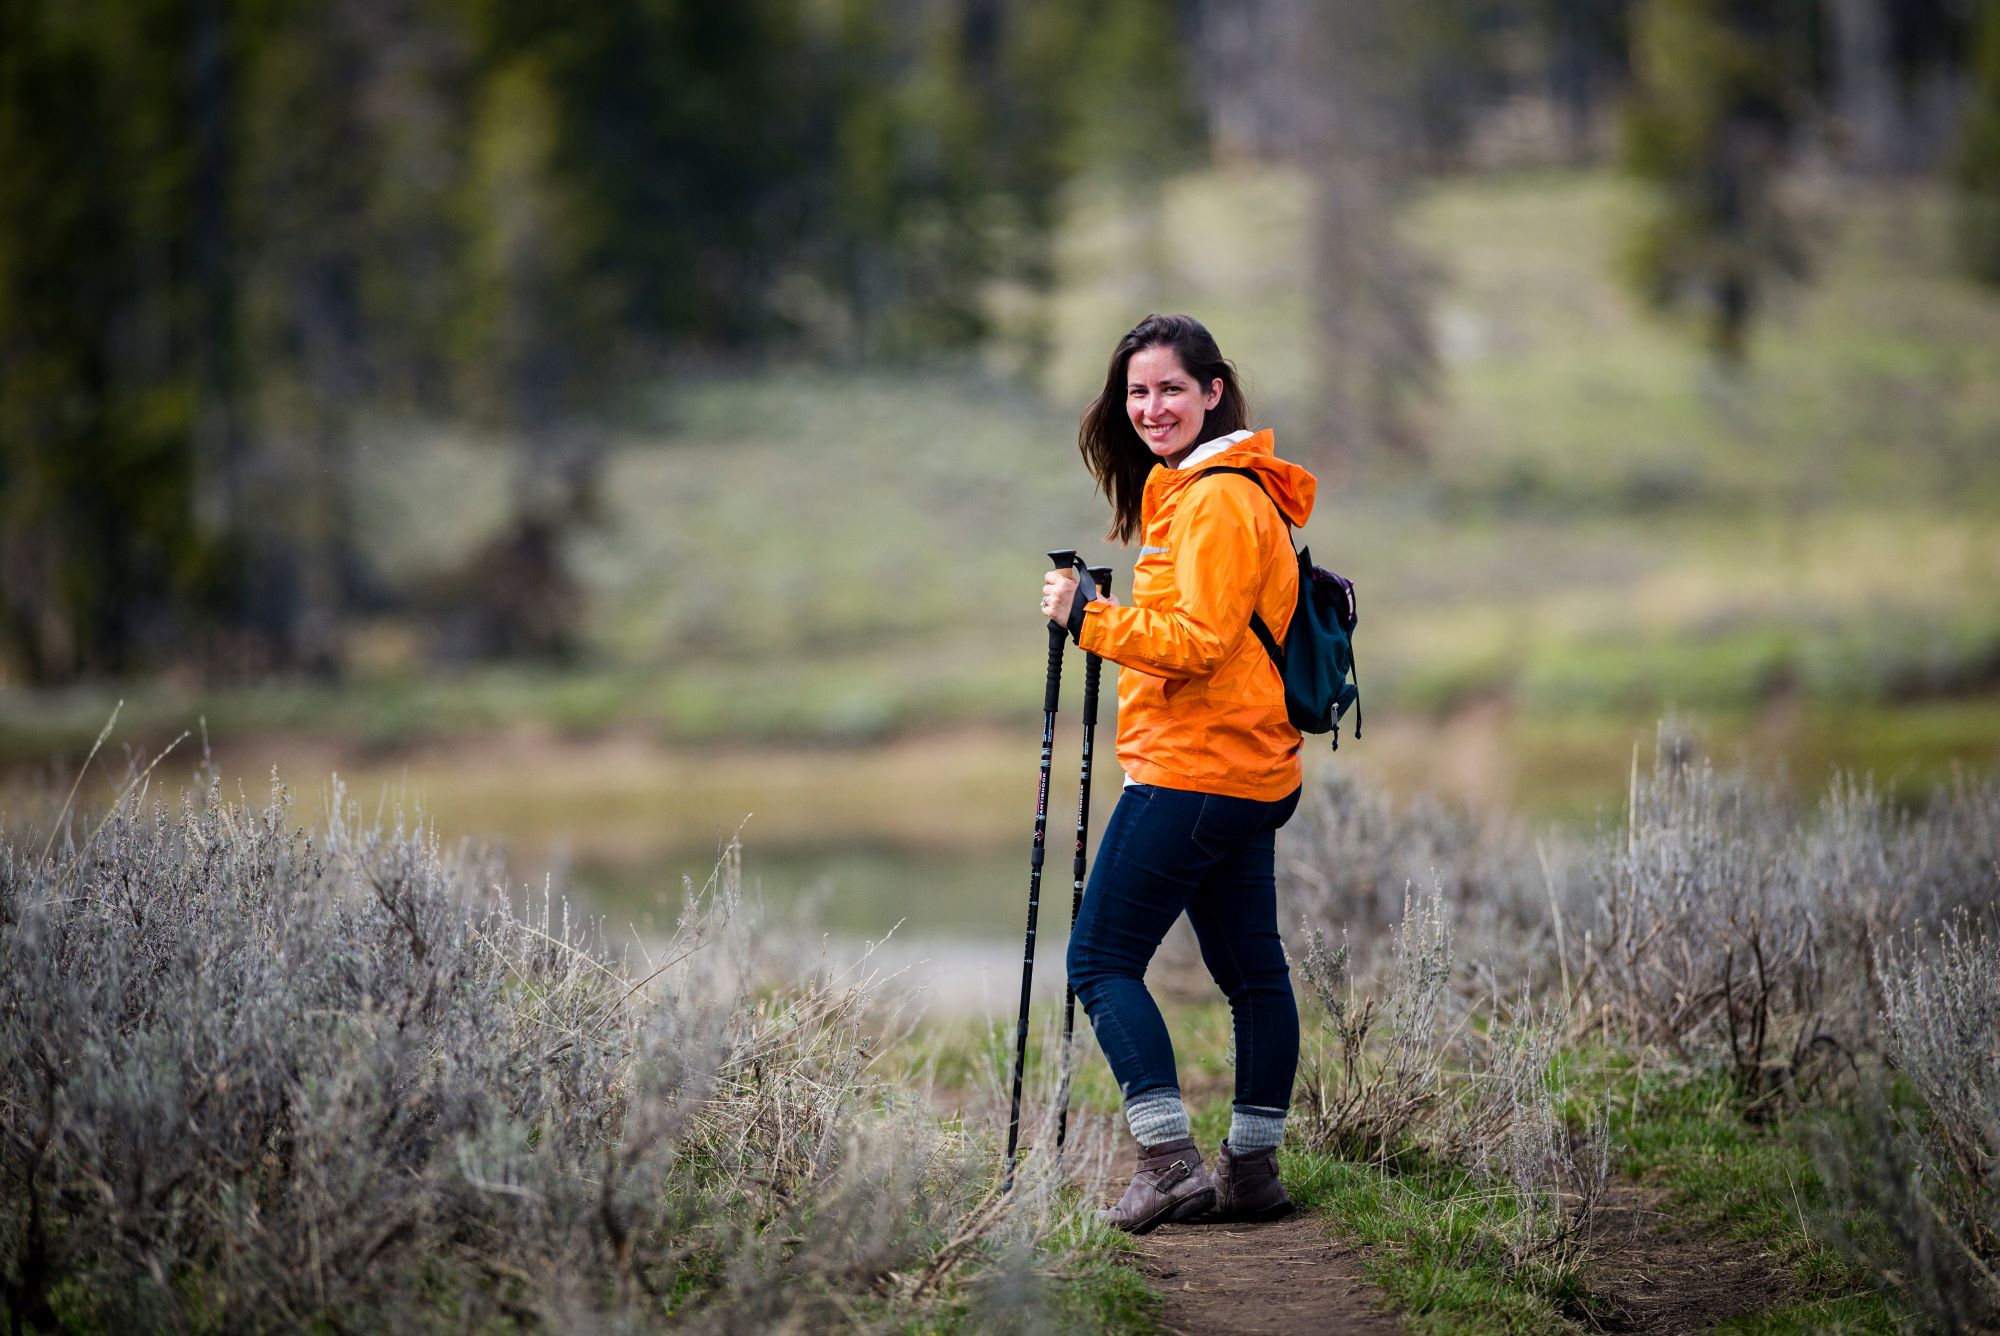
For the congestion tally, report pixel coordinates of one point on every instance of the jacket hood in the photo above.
(1290, 486)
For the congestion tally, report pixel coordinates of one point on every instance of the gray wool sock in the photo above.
(1157, 1116)
(1252, 1128)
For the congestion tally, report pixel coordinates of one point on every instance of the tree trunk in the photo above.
(1370, 291)
(217, 445)
(1865, 89)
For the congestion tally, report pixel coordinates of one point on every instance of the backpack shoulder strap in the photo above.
(1271, 646)
(1257, 623)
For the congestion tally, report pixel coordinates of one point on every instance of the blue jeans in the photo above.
(1169, 851)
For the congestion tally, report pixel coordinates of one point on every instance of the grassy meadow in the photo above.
(806, 563)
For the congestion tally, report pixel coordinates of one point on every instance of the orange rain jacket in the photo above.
(1200, 705)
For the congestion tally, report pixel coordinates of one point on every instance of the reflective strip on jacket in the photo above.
(1200, 705)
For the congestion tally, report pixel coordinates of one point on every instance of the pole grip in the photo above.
(1052, 692)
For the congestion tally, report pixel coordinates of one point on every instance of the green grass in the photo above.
(1103, 1292)
(854, 697)
(1753, 1182)
(1432, 1232)
(959, 1056)
(1436, 1234)
(1853, 1315)
(965, 1053)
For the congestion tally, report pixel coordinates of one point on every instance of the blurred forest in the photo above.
(230, 233)
(234, 233)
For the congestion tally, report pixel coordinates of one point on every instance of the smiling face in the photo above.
(1165, 403)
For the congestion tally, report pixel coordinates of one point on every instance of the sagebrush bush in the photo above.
(1696, 928)
(1930, 1169)
(1716, 922)
(1557, 1168)
(1724, 926)
(1715, 927)
(1398, 1070)
(1350, 855)
(1371, 1071)
(253, 1077)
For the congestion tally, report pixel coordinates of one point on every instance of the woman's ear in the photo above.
(1214, 395)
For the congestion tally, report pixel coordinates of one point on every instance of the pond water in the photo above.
(861, 890)
(925, 839)
(950, 924)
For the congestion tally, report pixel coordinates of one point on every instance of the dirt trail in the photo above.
(1245, 1280)
(1650, 1276)
(1286, 1276)
(1653, 1276)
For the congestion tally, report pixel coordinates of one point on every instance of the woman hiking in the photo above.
(1210, 758)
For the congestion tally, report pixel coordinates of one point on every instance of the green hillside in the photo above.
(1606, 529)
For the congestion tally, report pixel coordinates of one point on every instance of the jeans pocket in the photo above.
(1223, 823)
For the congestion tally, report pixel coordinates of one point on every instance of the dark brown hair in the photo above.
(1116, 456)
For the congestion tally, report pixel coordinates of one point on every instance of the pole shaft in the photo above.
(1051, 694)
(1093, 670)
(1093, 666)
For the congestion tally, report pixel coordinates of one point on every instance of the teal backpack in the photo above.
(1316, 662)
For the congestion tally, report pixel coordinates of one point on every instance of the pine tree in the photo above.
(98, 550)
(1976, 167)
(1719, 89)
(229, 229)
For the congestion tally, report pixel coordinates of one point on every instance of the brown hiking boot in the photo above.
(1171, 1185)
(1247, 1186)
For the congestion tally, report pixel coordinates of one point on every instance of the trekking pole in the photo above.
(1051, 691)
(1093, 668)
